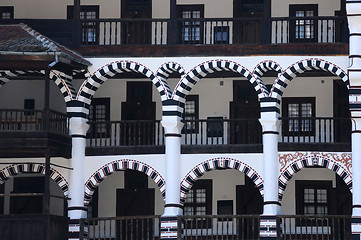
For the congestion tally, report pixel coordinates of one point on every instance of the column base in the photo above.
(76, 231)
(168, 227)
(356, 228)
(268, 227)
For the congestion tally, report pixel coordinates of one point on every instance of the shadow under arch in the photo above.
(302, 66)
(293, 163)
(189, 80)
(95, 80)
(215, 163)
(93, 182)
(15, 169)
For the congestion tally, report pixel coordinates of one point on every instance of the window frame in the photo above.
(87, 26)
(301, 185)
(285, 114)
(92, 117)
(191, 24)
(200, 184)
(7, 9)
(293, 8)
(195, 129)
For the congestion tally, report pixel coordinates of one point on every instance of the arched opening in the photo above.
(319, 198)
(117, 199)
(222, 202)
(125, 106)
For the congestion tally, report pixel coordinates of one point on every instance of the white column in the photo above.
(353, 9)
(271, 205)
(172, 173)
(172, 207)
(270, 166)
(356, 166)
(76, 208)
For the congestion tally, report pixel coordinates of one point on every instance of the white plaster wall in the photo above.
(224, 186)
(280, 8)
(289, 197)
(13, 93)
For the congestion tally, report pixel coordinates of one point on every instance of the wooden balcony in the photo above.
(26, 133)
(201, 36)
(240, 227)
(215, 135)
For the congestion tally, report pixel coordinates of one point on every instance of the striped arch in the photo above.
(266, 66)
(186, 84)
(221, 162)
(303, 66)
(324, 161)
(122, 164)
(167, 68)
(91, 85)
(15, 169)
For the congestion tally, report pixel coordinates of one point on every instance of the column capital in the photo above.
(172, 126)
(270, 124)
(356, 124)
(78, 126)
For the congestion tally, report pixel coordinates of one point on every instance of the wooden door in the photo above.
(245, 110)
(341, 112)
(247, 29)
(136, 32)
(136, 199)
(138, 107)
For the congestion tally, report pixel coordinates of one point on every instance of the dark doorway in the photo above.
(248, 201)
(139, 106)
(136, 199)
(341, 112)
(245, 112)
(248, 16)
(136, 32)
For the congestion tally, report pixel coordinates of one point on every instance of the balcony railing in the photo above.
(218, 131)
(207, 31)
(139, 227)
(14, 120)
(314, 227)
(240, 227)
(200, 31)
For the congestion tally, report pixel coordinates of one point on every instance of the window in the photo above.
(191, 114)
(199, 198)
(29, 104)
(312, 197)
(192, 31)
(99, 111)
(298, 116)
(221, 34)
(90, 30)
(6, 13)
(304, 30)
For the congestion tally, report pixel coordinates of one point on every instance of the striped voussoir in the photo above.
(190, 79)
(217, 163)
(166, 69)
(119, 165)
(266, 66)
(309, 161)
(300, 67)
(15, 169)
(95, 80)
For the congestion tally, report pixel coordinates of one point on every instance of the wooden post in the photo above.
(266, 23)
(76, 24)
(172, 25)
